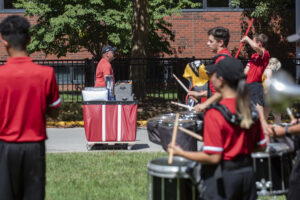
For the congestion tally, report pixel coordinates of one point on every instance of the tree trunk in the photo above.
(140, 32)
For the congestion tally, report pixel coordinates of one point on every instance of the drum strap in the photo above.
(233, 118)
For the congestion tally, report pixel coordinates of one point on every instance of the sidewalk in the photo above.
(74, 140)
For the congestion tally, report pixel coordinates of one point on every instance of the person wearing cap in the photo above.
(218, 39)
(292, 130)
(227, 168)
(254, 71)
(104, 67)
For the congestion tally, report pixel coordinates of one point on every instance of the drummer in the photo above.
(278, 131)
(228, 171)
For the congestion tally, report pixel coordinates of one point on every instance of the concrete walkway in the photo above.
(74, 140)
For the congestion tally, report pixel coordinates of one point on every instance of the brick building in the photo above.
(190, 29)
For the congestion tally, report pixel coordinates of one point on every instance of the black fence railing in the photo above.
(74, 75)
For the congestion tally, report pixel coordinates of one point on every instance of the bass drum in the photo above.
(171, 182)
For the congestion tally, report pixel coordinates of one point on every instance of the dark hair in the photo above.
(261, 38)
(220, 33)
(15, 30)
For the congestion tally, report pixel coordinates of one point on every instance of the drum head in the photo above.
(181, 122)
(163, 117)
(190, 115)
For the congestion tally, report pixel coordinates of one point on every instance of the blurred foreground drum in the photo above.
(272, 169)
(160, 129)
(168, 182)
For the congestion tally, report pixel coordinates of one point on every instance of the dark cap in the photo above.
(230, 69)
(108, 48)
(295, 37)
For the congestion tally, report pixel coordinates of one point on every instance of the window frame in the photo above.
(3, 10)
(213, 9)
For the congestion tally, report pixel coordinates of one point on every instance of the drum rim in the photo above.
(168, 171)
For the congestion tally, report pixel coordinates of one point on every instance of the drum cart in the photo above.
(110, 124)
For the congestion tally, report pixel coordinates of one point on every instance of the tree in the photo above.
(275, 18)
(70, 25)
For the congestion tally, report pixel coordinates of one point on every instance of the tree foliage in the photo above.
(70, 25)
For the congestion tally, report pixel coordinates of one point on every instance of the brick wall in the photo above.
(191, 36)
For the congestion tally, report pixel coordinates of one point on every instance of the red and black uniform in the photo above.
(235, 145)
(223, 51)
(27, 90)
(257, 66)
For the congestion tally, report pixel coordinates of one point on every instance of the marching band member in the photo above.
(218, 39)
(227, 171)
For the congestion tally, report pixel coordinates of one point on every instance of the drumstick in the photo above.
(191, 133)
(182, 105)
(289, 112)
(173, 141)
(180, 83)
(242, 43)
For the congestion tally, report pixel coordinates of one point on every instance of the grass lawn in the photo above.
(100, 176)
(97, 176)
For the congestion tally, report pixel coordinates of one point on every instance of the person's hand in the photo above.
(196, 94)
(245, 39)
(276, 131)
(199, 107)
(294, 121)
(177, 150)
(266, 128)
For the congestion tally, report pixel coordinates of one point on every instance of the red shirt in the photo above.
(26, 91)
(103, 69)
(257, 66)
(223, 51)
(221, 137)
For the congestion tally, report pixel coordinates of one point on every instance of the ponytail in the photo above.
(243, 105)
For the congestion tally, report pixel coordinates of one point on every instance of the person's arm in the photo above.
(197, 95)
(279, 131)
(214, 98)
(246, 70)
(253, 45)
(196, 156)
(53, 99)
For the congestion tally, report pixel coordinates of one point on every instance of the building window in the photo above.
(212, 5)
(8, 4)
(217, 3)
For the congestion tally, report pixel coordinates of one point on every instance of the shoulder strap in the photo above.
(233, 118)
(218, 55)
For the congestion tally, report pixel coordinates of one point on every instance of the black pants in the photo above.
(237, 184)
(22, 171)
(256, 93)
(294, 184)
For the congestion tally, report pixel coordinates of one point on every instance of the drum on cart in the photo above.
(272, 169)
(168, 182)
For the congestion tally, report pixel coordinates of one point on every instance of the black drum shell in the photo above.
(170, 181)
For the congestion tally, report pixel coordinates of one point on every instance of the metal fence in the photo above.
(73, 75)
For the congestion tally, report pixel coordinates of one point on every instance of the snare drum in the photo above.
(168, 182)
(198, 117)
(152, 126)
(272, 169)
(185, 141)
